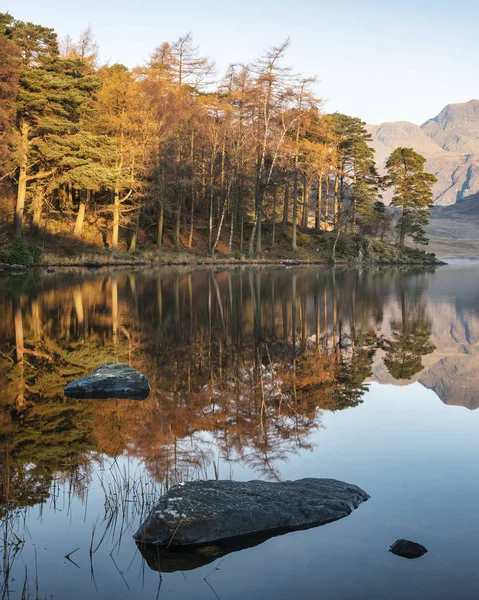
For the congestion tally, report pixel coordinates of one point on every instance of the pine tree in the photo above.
(51, 103)
(412, 192)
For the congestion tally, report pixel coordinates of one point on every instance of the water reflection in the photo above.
(241, 365)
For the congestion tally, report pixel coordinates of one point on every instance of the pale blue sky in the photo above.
(381, 61)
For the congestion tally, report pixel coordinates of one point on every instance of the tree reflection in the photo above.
(410, 336)
(241, 365)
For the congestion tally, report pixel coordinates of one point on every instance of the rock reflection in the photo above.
(241, 364)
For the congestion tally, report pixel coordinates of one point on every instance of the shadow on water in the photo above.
(187, 558)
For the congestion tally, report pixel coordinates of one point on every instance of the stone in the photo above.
(92, 264)
(17, 268)
(407, 549)
(114, 380)
(203, 512)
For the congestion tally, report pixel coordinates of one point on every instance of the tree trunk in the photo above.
(176, 236)
(295, 210)
(305, 217)
(286, 206)
(274, 215)
(80, 215)
(336, 201)
(22, 179)
(222, 218)
(192, 220)
(327, 204)
(134, 237)
(212, 197)
(116, 219)
(37, 207)
(319, 202)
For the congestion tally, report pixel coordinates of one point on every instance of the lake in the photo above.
(368, 376)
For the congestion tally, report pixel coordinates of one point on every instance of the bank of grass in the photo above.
(59, 248)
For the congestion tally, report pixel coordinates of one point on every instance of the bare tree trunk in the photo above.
(333, 254)
(212, 197)
(327, 206)
(222, 218)
(319, 202)
(274, 215)
(116, 219)
(305, 218)
(176, 235)
(286, 206)
(295, 210)
(192, 220)
(242, 230)
(234, 209)
(336, 200)
(160, 210)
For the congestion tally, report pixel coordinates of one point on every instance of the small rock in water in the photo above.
(202, 512)
(407, 549)
(116, 380)
(50, 270)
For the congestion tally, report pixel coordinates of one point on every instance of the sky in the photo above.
(381, 60)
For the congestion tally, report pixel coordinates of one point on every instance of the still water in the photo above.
(367, 376)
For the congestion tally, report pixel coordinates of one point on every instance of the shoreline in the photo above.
(93, 265)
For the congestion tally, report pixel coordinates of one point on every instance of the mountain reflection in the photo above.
(241, 365)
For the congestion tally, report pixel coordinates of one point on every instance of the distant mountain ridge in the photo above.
(449, 142)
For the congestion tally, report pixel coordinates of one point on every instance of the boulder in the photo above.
(115, 380)
(202, 512)
(407, 549)
(16, 268)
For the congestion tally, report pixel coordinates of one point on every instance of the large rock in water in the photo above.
(115, 380)
(201, 512)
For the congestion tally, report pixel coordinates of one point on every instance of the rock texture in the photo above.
(449, 142)
(202, 512)
(407, 549)
(115, 380)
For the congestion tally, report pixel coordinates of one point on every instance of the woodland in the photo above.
(174, 156)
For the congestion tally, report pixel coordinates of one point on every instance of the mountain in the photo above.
(456, 127)
(449, 142)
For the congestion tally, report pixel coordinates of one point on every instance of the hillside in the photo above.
(450, 144)
(454, 230)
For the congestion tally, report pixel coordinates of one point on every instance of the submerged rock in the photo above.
(407, 549)
(201, 512)
(115, 380)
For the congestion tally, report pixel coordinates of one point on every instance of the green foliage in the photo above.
(412, 192)
(19, 252)
(237, 254)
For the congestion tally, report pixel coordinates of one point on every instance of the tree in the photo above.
(9, 78)
(412, 192)
(51, 104)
